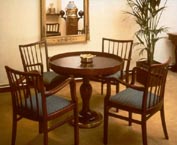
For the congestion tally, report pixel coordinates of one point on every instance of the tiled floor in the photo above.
(119, 132)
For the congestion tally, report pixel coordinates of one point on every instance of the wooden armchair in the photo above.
(31, 101)
(122, 48)
(52, 29)
(144, 100)
(35, 58)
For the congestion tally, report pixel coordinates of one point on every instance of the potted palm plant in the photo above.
(147, 14)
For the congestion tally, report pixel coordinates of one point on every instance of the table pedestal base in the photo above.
(87, 117)
(92, 119)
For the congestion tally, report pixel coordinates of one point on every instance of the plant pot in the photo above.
(142, 75)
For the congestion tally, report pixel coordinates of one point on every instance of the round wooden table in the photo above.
(70, 64)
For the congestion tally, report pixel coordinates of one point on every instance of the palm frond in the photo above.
(147, 14)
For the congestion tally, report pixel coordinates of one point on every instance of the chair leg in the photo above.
(117, 91)
(117, 110)
(144, 131)
(76, 127)
(162, 114)
(14, 130)
(105, 136)
(40, 127)
(45, 138)
(102, 88)
(117, 87)
(130, 118)
(45, 131)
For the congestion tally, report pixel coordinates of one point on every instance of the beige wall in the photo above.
(20, 24)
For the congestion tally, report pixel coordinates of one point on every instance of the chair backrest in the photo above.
(122, 48)
(34, 56)
(52, 28)
(27, 91)
(155, 85)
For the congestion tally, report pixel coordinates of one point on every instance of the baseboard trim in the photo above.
(4, 88)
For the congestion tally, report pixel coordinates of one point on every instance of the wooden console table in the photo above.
(173, 38)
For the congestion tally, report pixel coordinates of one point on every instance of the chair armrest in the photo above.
(69, 81)
(59, 87)
(136, 87)
(134, 73)
(133, 83)
(127, 84)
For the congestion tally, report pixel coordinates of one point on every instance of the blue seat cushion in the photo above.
(54, 103)
(50, 76)
(133, 98)
(115, 75)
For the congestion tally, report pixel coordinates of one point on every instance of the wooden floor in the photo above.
(119, 131)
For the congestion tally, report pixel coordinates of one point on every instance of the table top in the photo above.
(70, 64)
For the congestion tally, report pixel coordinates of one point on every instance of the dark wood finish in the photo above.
(144, 100)
(70, 64)
(173, 38)
(31, 101)
(142, 75)
(121, 48)
(52, 29)
(35, 57)
(72, 25)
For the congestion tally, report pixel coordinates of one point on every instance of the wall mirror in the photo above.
(65, 21)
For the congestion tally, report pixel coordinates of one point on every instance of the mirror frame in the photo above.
(67, 39)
